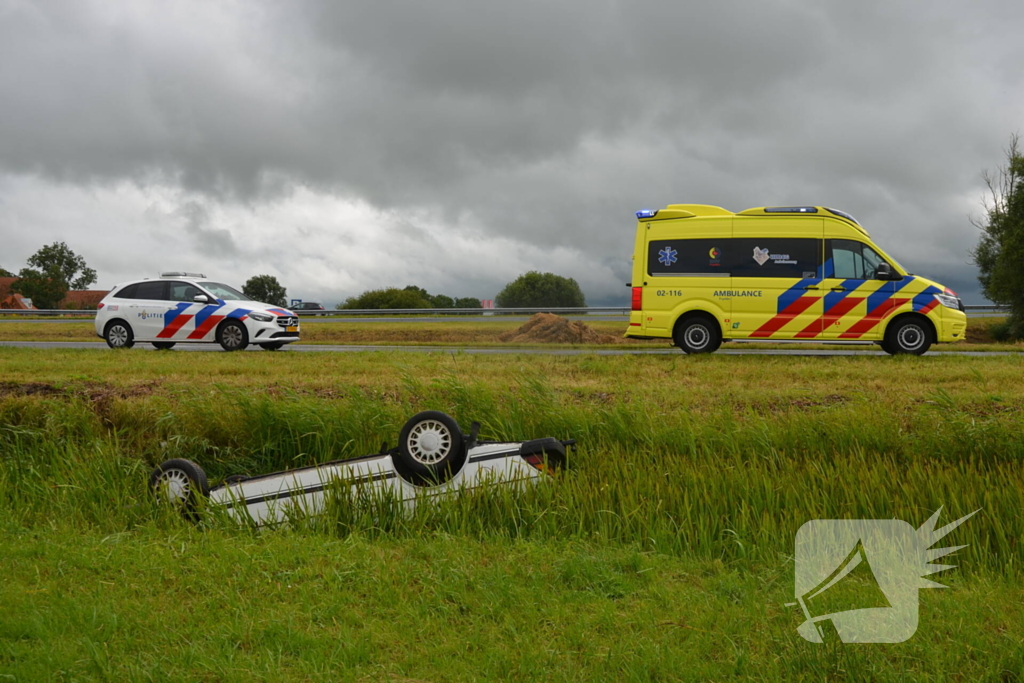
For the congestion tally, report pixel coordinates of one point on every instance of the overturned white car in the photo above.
(433, 456)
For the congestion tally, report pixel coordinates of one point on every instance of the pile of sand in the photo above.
(553, 329)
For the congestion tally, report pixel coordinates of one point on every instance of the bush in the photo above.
(391, 297)
(535, 290)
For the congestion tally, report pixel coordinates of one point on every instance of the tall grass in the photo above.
(727, 479)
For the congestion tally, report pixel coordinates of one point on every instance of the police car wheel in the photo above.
(163, 346)
(430, 448)
(180, 483)
(698, 334)
(908, 336)
(232, 336)
(119, 335)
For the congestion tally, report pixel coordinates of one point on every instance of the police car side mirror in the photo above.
(883, 272)
(201, 299)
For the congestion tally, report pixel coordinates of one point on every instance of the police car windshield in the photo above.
(222, 291)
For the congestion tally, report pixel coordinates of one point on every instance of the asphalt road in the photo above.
(306, 319)
(500, 351)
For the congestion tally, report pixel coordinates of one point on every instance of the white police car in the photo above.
(433, 457)
(189, 308)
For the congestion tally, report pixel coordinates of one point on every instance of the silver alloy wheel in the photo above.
(697, 337)
(429, 442)
(232, 336)
(911, 337)
(174, 486)
(117, 335)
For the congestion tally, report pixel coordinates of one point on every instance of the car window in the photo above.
(126, 292)
(688, 257)
(183, 291)
(224, 292)
(153, 290)
(854, 260)
(785, 257)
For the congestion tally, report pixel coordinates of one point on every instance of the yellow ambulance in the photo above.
(703, 275)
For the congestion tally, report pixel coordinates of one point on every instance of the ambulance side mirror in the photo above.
(884, 272)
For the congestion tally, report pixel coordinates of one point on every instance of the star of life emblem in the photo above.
(667, 256)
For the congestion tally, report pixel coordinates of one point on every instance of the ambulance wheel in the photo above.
(180, 483)
(119, 335)
(698, 334)
(163, 346)
(908, 336)
(430, 449)
(232, 336)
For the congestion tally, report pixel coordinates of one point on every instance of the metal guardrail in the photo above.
(585, 310)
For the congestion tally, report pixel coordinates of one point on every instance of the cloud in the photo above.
(513, 132)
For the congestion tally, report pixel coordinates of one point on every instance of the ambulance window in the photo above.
(789, 257)
(688, 257)
(854, 260)
(154, 290)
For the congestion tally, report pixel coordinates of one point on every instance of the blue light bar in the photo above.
(646, 213)
(791, 209)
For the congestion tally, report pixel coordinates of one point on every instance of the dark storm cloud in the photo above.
(542, 121)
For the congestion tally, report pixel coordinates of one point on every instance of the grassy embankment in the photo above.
(664, 554)
(460, 331)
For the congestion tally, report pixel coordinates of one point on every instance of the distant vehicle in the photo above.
(310, 307)
(189, 308)
(703, 275)
(433, 456)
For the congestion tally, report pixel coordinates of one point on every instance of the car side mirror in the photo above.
(884, 272)
(201, 299)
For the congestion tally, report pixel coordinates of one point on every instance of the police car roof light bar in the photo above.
(181, 274)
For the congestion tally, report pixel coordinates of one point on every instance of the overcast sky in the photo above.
(343, 146)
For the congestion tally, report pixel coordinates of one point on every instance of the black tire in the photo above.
(232, 336)
(276, 346)
(908, 336)
(163, 346)
(431, 449)
(698, 334)
(119, 335)
(547, 451)
(181, 483)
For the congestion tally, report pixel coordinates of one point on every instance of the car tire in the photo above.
(276, 346)
(163, 346)
(698, 334)
(232, 336)
(431, 449)
(181, 483)
(908, 336)
(119, 335)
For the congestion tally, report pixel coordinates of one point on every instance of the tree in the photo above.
(537, 290)
(266, 289)
(58, 258)
(5, 273)
(46, 288)
(1000, 251)
(392, 297)
(467, 302)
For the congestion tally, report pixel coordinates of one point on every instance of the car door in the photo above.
(776, 278)
(855, 302)
(149, 308)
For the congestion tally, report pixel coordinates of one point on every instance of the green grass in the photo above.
(663, 554)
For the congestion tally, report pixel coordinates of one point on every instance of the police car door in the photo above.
(776, 278)
(149, 308)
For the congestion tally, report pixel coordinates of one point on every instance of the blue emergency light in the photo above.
(646, 213)
(791, 209)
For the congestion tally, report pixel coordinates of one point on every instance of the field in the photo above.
(665, 553)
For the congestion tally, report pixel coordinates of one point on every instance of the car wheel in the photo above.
(232, 336)
(276, 346)
(430, 449)
(698, 334)
(119, 335)
(163, 346)
(908, 336)
(180, 483)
